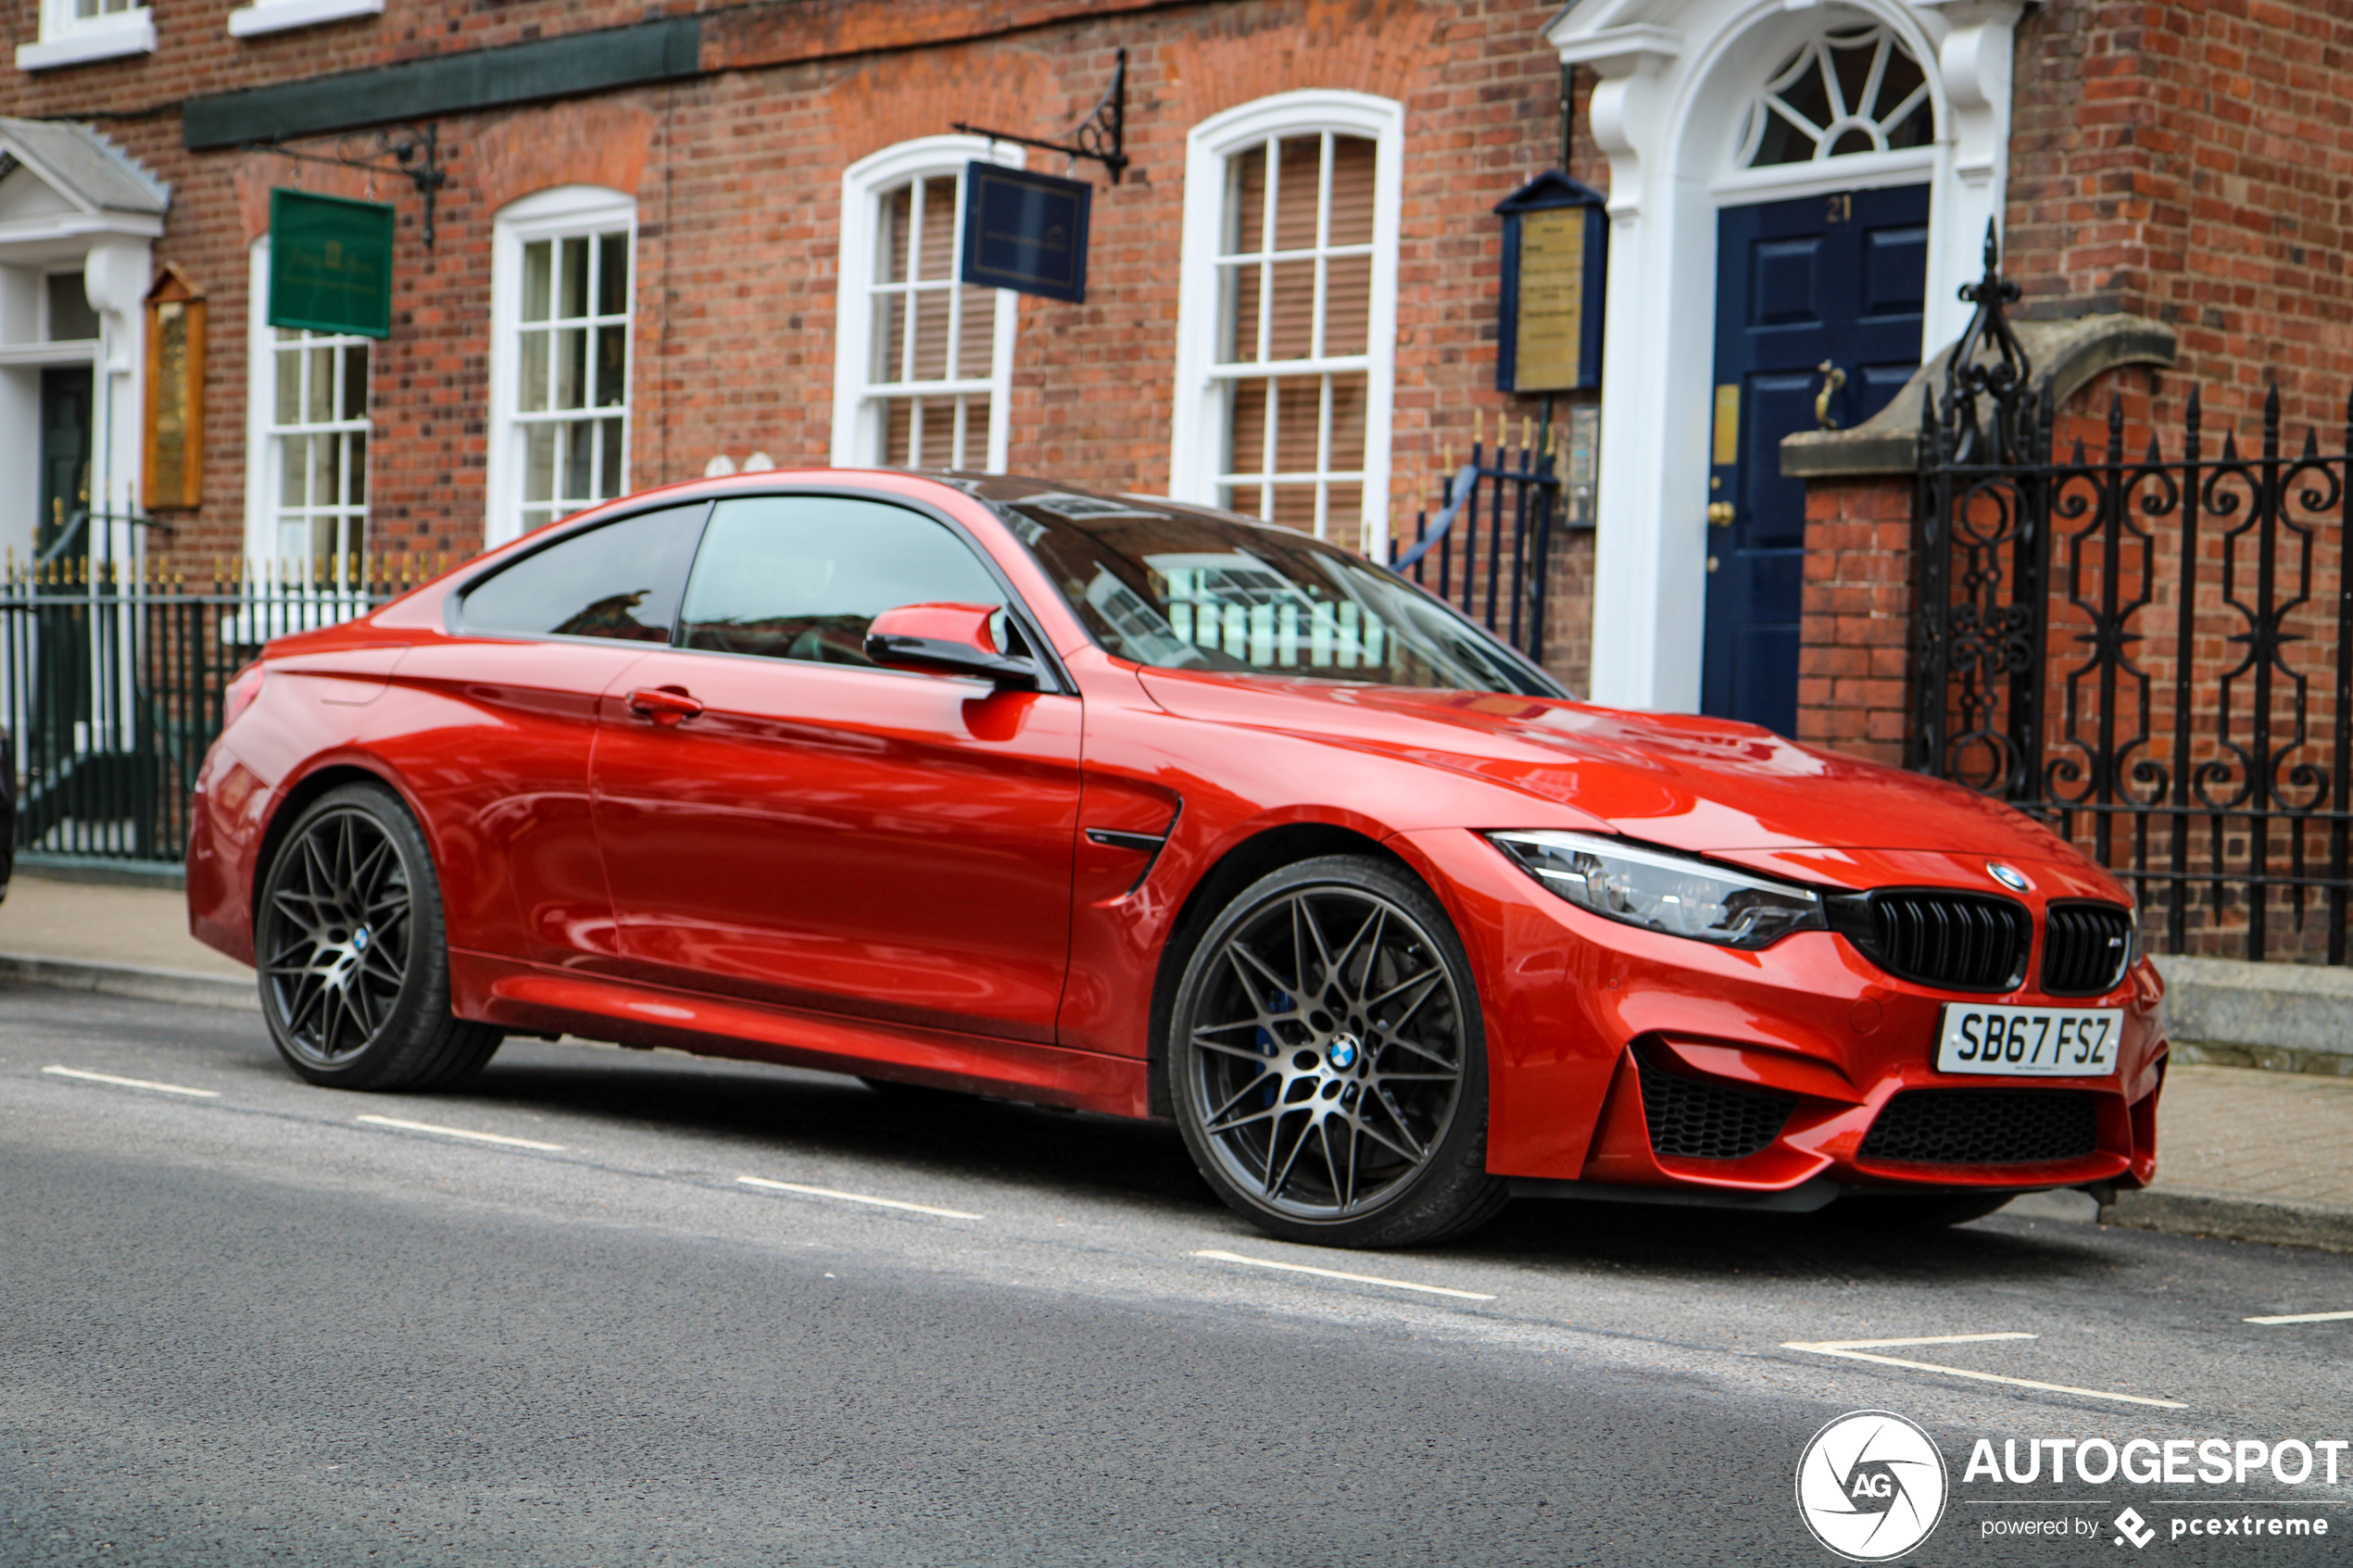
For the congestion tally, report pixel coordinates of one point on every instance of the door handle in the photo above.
(1832, 379)
(1721, 513)
(663, 705)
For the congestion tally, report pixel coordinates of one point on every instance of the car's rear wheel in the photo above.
(354, 961)
(1326, 1061)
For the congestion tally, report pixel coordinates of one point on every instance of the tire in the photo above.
(353, 956)
(1334, 1118)
(1924, 1211)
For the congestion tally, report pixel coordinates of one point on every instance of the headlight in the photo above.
(1660, 890)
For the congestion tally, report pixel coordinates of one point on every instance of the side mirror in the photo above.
(947, 640)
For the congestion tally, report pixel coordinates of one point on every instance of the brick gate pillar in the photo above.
(1855, 637)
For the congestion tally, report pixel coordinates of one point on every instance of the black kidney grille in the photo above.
(1690, 1119)
(1985, 1127)
(1962, 941)
(2084, 946)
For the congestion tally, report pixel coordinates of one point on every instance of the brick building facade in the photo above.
(738, 152)
(2180, 167)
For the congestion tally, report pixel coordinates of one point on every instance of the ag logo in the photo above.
(1871, 1486)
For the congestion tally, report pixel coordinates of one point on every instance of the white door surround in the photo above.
(72, 201)
(1677, 78)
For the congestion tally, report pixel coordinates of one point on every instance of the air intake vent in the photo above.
(1985, 1127)
(2084, 946)
(1691, 1120)
(1958, 941)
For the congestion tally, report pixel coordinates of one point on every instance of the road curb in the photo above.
(2323, 1227)
(184, 987)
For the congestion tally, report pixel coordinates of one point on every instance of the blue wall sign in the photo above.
(1026, 232)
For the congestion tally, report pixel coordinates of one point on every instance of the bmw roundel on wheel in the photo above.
(998, 786)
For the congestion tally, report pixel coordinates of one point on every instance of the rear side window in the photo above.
(802, 576)
(620, 581)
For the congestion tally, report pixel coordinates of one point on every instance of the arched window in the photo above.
(563, 282)
(922, 365)
(307, 439)
(1287, 325)
(1857, 91)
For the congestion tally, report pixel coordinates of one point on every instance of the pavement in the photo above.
(608, 1306)
(2246, 1153)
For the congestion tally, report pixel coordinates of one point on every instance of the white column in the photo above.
(1974, 58)
(1643, 564)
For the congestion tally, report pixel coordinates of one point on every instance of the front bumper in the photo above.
(1583, 1015)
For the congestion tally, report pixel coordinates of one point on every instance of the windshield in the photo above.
(1181, 587)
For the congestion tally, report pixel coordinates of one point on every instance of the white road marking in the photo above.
(2304, 1317)
(132, 1083)
(857, 1197)
(1353, 1279)
(460, 1133)
(1833, 1345)
(1859, 1351)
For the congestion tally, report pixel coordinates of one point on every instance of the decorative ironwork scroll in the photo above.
(2154, 654)
(1101, 137)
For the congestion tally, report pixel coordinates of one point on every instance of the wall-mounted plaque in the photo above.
(1026, 232)
(1556, 255)
(173, 466)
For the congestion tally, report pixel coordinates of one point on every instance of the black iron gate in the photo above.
(2152, 652)
(1500, 581)
(112, 676)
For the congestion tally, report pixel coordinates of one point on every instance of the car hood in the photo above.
(1704, 785)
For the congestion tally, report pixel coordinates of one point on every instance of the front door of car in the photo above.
(1817, 322)
(784, 821)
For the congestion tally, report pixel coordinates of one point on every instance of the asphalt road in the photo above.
(250, 1326)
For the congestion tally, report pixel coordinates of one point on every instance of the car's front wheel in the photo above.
(354, 965)
(1327, 1062)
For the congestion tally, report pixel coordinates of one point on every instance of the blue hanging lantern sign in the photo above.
(1556, 268)
(1026, 232)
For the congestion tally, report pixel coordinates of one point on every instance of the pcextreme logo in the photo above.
(1871, 1486)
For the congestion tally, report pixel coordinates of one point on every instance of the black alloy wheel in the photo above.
(1327, 1060)
(354, 963)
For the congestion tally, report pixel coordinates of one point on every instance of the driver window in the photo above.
(802, 576)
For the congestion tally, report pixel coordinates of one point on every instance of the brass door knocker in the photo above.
(1832, 379)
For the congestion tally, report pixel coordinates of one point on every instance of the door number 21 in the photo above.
(1842, 208)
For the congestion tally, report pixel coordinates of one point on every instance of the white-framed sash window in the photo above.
(922, 365)
(1287, 313)
(306, 443)
(563, 281)
(76, 31)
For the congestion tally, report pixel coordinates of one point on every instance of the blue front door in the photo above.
(1819, 281)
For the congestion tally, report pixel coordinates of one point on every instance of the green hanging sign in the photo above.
(330, 264)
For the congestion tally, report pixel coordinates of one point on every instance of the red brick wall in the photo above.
(1855, 647)
(2192, 163)
(737, 176)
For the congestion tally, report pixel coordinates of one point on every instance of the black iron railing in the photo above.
(1514, 499)
(2152, 652)
(112, 678)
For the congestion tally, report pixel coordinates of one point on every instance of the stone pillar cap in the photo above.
(2066, 355)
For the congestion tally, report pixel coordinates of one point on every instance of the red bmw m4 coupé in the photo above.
(999, 786)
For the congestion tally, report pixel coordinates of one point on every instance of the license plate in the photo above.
(2030, 1042)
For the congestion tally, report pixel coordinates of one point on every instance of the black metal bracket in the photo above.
(1103, 135)
(415, 152)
